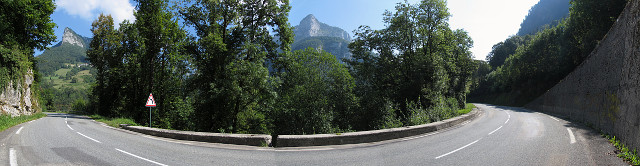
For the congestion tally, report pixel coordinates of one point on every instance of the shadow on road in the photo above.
(65, 115)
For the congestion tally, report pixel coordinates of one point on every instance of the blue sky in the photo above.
(488, 21)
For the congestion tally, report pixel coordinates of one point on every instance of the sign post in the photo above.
(150, 103)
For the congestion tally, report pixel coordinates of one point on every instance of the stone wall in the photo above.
(604, 91)
(16, 99)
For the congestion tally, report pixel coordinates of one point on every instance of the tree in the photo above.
(501, 51)
(232, 57)
(103, 56)
(416, 59)
(316, 95)
(25, 26)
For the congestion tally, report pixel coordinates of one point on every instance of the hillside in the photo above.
(334, 45)
(544, 13)
(66, 73)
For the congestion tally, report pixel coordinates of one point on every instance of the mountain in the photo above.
(545, 12)
(313, 33)
(311, 27)
(70, 51)
(72, 38)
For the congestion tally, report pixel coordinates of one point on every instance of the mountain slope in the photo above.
(71, 50)
(545, 12)
(334, 45)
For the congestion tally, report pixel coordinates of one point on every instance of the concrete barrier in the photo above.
(370, 136)
(306, 140)
(238, 139)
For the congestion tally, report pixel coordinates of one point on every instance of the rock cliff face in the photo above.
(604, 91)
(313, 33)
(16, 98)
(72, 38)
(311, 27)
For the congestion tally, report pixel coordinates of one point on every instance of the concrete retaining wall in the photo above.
(238, 139)
(306, 140)
(370, 136)
(604, 91)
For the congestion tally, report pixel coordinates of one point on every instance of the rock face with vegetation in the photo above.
(313, 33)
(16, 98)
(25, 27)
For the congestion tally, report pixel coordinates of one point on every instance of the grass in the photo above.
(467, 109)
(6, 121)
(113, 122)
(626, 154)
(62, 72)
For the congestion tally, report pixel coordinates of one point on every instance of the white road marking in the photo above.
(573, 138)
(458, 149)
(505, 122)
(296, 150)
(140, 157)
(20, 129)
(553, 118)
(495, 130)
(13, 159)
(69, 127)
(88, 137)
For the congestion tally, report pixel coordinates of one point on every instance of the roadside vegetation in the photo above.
(6, 121)
(521, 68)
(113, 122)
(467, 109)
(237, 73)
(623, 151)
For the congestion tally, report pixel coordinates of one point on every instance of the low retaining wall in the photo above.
(370, 136)
(604, 91)
(238, 139)
(306, 140)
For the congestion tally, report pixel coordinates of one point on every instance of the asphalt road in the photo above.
(500, 136)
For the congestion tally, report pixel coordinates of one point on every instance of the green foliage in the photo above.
(60, 57)
(113, 122)
(6, 121)
(468, 107)
(25, 26)
(624, 152)
(138, 59)
(334, 45)
(417, 62)
(236, 77)
(316, 95)
(234, 47)
(534, 64)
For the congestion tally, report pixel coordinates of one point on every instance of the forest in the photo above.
(523, 67)
(231, 69)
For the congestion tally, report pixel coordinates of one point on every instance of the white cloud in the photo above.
(120, 10)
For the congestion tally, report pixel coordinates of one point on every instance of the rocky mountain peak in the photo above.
(72, 38)
(309, 19)
(310, 26)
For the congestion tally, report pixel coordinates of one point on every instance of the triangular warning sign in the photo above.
(151, 102)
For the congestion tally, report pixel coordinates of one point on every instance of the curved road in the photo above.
(499, 136)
